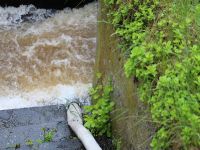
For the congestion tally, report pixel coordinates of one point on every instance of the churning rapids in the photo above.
(46, 56)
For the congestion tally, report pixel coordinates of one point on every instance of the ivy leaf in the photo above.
(152, 70)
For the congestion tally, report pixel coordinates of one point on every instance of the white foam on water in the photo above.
(59, 94)
(14, 16)
(60, 62)
(71, 18)
(37, 46)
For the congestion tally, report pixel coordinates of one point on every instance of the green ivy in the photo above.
(162, 39)
(97, 116)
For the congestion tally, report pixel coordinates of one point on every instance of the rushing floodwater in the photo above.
(46, 56)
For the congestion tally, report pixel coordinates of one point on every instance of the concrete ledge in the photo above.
(19, 125)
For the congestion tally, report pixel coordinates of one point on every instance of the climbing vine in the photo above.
(162, 40)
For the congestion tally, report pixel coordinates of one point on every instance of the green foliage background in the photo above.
(162, 42)
(97, 116)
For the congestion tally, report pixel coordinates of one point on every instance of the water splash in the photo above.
(45, 56)
(12, 16)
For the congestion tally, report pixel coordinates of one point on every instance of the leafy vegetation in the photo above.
(162, 40)
(29, 142)
(97, 116)
(117, 143)
(47, 137)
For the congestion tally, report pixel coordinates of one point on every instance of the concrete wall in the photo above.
(130, 119)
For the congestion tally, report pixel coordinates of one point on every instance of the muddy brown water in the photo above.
(46, 58)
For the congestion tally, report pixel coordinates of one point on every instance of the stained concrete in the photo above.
(19, 125)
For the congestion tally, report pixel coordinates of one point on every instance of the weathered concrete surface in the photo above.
(131, 119)
(18, 126)
(56, 4)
